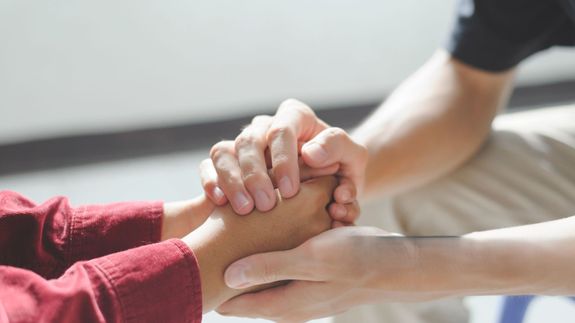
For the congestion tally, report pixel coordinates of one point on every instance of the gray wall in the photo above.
(89, 66)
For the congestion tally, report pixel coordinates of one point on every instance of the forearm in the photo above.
(432, 123)
(533, 259)
(154, 283)
(50, 237)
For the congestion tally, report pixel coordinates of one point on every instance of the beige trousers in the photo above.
(524, 174)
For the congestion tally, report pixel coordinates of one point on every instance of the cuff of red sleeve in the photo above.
(155, 283)
(98, 230)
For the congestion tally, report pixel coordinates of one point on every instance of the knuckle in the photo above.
(229, 181)
(252, 178)
(294, 104)
(280, 131)
(218, 149)
(337, 133)
(281, 162)
(290, 102)
(246, 140)
(221, 165)
(260, 119)
(251, 162)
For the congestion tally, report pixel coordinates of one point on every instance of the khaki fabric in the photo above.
(524, 174)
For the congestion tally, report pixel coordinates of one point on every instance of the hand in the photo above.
(333, 272)
(349, 266)
(226, 237)
(238, 170)
(181, 218)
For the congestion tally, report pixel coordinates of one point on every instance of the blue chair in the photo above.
(515, 308)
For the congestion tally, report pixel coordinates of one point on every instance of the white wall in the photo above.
(87, 66)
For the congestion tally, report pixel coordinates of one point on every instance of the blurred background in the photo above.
(119, 100)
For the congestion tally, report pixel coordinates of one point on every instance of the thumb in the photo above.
(334, 145)
(262, 269)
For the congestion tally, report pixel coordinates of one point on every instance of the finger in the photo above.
(265, 268)
(202, 208)
(230, 178)
(278, 301)
(347, 213)
(306, 172)
(345, 191)
(333, 145)
(294, 121)
(298, 301)
(250, 148)
(209, 179)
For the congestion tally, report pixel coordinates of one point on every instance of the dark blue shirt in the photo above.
(496, 35)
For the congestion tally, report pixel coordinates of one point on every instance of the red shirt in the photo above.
(93, 264)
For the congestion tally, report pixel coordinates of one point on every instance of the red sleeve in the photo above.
(154, 283)
(48, 238)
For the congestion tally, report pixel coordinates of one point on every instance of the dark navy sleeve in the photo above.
(495, 35)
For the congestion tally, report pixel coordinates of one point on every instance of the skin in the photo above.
(431, 124)
(265, 155)
(225, 237)
(183, 217)
(533, 259)
(435, 121)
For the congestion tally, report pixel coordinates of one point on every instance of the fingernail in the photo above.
(263, 202)
(235, 276)
(316, 152)
(285, 186)
(242, 201)
(218, 193)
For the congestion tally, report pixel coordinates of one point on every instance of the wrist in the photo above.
(207, 243)
(427, 268)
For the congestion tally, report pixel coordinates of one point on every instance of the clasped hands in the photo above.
(318, 171)
(327, 271)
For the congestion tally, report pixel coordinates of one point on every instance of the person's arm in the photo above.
(50, 237)
(372, 265)
(155, 282)
(433, 122)
(437, 119)
(41, 280)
